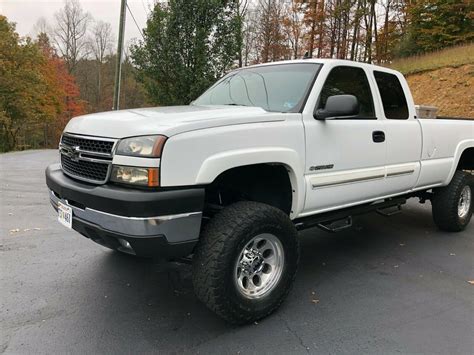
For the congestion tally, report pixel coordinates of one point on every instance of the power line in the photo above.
(136, 24)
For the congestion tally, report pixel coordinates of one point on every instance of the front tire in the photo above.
(246, 261)
(452, 204)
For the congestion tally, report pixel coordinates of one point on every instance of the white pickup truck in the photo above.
(266, 151)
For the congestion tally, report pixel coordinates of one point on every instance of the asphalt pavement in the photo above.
(388, 285)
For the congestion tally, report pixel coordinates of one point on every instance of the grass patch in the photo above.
(448, 57)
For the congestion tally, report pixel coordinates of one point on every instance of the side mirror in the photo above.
(338, 106)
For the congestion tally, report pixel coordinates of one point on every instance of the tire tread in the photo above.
(445, 202)
(211, 255)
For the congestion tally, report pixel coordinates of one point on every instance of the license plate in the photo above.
(65, 215)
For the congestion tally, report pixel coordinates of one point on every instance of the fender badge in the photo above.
(321, 167)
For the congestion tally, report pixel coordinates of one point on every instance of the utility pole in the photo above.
(118, 66)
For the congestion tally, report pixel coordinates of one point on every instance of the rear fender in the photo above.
(462, 146)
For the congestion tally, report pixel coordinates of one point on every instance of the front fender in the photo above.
(218, 163)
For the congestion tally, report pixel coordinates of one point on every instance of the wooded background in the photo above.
(68, 68)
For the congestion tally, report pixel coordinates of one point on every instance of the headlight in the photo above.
(145, 146)
(135, 176)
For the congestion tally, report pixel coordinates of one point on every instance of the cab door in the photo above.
(402, 132)
(345, 158)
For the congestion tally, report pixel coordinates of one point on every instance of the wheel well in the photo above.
(466, 161)
(266, 183)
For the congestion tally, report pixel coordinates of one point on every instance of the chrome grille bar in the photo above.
(87, 158)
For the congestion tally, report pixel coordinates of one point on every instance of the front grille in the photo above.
(85, 158)
(85, 169)
(90, 145)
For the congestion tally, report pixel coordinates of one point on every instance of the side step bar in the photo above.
(335, 221)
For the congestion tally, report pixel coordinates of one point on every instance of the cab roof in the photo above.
(332, 62)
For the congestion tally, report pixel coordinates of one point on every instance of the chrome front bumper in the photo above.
(176, 228)
(162, 223)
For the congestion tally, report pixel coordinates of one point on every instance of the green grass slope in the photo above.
(449, 57)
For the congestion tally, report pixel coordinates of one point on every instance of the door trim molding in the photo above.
(361, 175)
(346, 177)
(401, 169)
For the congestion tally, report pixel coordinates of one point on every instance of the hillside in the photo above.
(449, 89)
(444, 79)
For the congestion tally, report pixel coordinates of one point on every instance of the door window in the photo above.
(393, 98)
(345, 80)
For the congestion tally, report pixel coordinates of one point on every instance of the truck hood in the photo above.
(168, 121)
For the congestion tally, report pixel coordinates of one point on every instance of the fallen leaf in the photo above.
(315, 301)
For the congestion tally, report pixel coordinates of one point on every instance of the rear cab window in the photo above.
(393, 97)
(346, 80)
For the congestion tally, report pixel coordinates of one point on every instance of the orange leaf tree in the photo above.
(36, 90)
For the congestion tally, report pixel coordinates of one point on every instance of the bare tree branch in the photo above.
(70, 33)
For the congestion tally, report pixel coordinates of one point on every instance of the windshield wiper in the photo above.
(234, 104)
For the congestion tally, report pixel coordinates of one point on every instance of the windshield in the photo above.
(278, 88)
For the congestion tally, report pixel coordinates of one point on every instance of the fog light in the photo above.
(125, 247)
(125, 244)
(135, 175)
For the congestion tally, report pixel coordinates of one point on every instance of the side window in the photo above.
(393, 98)
(349, 81)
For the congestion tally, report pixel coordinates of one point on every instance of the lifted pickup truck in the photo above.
(267, 151)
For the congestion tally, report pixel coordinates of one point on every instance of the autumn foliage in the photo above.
(56, 71)
(186, 45)
(35, 88)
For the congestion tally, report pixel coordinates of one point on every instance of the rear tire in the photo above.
(452, 204)
(246, 261)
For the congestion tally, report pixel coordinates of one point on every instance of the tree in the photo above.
(187, 45)
(70, 33)
(58, 76)
(272, 38)
(435, 24)
(250, 37)
(314, 17)
(241, 12)
(41, 26)
(27, 92)
(293, 23)
(100, 45)
(101, 41)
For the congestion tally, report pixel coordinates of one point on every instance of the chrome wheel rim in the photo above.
(464, 202)
(259, 266)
